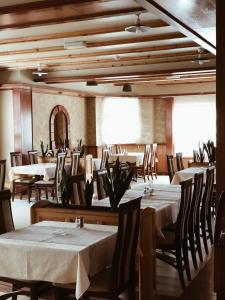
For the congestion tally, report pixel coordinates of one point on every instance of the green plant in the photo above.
(80, 147)
(117, 183)
(210, 150)
(201, 152)
(44, 151)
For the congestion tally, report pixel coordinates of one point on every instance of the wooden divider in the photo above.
(43, 210)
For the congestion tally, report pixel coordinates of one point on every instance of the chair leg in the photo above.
(204, 236)
(180, 268)
(34, 292)
(29, 193)
(192, 249)
(186, 261)
(198, 242)
(14, 288)
(209, 225)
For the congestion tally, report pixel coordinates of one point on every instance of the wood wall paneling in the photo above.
(169, 125)
(22, 115)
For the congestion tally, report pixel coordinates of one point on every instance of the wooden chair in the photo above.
(175, 242)
(153, 161)
(170, 167)
(88, 166)
(105, 157)
(205, 212)
(75, 155)
(179, 160)
(21, 184)
(78, 192)
(55, 183)
(33, 157)
(2, 174)
(196, 157)
(120, 276)
(6, 225)
(194, 220)
(119, 149)
(142, 170)
(102, 186)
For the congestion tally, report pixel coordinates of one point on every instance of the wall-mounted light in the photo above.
(127, 87)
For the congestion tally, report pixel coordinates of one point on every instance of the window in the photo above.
(194, 121)
(121, 120)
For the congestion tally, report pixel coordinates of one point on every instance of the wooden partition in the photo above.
(44, 210)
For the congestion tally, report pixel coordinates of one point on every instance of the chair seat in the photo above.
(45, 183)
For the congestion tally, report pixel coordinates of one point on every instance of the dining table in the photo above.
(128, 157)
(57, 252)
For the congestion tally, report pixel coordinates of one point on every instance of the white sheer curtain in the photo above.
(194, 121)
(121, 120)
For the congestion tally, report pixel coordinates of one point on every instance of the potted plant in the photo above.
(46, 154)
(210, 150)
(79, 147)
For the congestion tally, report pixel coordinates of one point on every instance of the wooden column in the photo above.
(220, 151)
(22, 116)
(169, 125)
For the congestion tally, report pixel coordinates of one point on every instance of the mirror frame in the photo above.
(54, 112)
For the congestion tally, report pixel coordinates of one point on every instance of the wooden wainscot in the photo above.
(45, 210)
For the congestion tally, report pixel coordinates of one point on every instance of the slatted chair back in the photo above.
(154, 156)
(123, 263)
(170, 167)
(61, 157)
(105, 157)
(196, 157)
(2, 174)
(78, 190)
(146, 156)
(16, 159)
(196, 200)
(119, 149)
(179, 160)
(219, 225)
(102, 184)
(6, 218)
(33, 157)
(88, 166)
(75, 155)
(208, 193)
(181, 230)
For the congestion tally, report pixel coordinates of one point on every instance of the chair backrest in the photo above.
(6, 218)
(78, 190)
(196, 200)
(208, 193)
(16, 159)
(119, 149)
(184, 211)
(123, 263)
(105, 157)
(219, 225)
(75, 155)
(102, 184)
(33, 157)
(146, 155)
(196, 157)
(2, 174)
(179, 160)
(154, 155)
(61, 157)
(170, 167)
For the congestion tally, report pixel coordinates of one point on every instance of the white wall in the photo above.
(6, 127)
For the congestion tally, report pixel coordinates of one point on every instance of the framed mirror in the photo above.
(59, 124)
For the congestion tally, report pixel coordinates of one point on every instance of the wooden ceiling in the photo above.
(36, 32)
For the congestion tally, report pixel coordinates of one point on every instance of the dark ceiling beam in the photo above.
(153, 7)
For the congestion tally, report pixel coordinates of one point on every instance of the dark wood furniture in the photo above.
(105, 157)
(179, 160)
(111, 282)
(55, 183)
(194, 220)
(22, 184)
(170, 167)
(143, 170)
(175, 242)
(78, 190)
(33, 157)
(75, 155)
(102, 184)
(153, 161)
(6, 225)
(2, 174)
(206, 206)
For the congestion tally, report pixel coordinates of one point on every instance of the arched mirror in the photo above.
(59, 127)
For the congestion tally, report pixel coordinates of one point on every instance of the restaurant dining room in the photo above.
(112, 147)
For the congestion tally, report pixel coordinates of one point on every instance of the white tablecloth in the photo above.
(45, 169)
(165, 201)
(187, 173)
(57, 252)
(132, 157)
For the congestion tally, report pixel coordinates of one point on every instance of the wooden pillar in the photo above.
(220, 150)
(169, 125)
(22, 116)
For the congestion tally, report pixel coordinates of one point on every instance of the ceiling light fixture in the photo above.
(200, 59)
(39, 72)
(138, 27)
(91, 83)
(127, 87)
